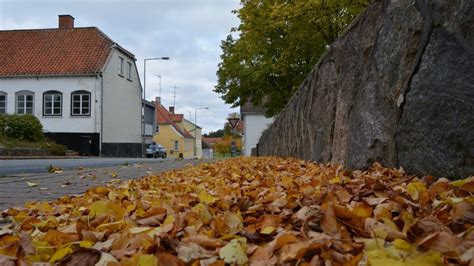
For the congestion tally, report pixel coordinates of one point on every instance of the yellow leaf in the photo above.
(61, 253)
(267, 230)
(86, 244)
(169, 219)
(9, 245)
(335, 180)
(362, 210)
(204, 215)
(206, 198)
(415, 189)
(233, 253)
(31, 184)
(106, 207)
(401, 244)
(147, 260)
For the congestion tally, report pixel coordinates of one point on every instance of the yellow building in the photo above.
(195, 131)
(171, 134)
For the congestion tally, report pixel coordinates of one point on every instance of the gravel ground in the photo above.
(17, 190)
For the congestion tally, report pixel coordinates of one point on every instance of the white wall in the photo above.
(253, 128)
(122, 102)
(64, 123)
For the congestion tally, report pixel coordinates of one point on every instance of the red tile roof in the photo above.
(53, 51)
(177, 117)
(164, 117)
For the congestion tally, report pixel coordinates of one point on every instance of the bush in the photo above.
(21, 127)
(56, 149)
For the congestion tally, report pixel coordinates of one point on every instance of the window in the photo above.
(121, 66)
(81, 103)
(129, 74)
(52, 103)
(24, 102)
(3, 102)
(176, 145)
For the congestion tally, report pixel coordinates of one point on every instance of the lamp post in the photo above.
(144, 71)
(195, 128)
(143, 103)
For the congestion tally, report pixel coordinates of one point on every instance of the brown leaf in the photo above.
(442, 242)
(81, 257)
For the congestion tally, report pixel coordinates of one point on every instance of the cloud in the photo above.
(188, 31)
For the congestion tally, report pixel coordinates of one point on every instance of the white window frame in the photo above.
(81, 95)
(53, 101)
(24, 94)
(3, 110)
(129, 74)
(122, 60)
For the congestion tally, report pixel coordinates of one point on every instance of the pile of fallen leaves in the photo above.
(257, 211)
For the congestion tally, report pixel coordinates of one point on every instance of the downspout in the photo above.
(101, 113)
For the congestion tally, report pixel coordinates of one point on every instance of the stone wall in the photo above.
(397, 87)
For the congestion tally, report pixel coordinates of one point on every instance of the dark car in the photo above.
(159, 153)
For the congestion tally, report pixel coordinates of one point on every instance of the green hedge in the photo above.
(21, 127)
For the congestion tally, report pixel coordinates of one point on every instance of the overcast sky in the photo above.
(187, 31)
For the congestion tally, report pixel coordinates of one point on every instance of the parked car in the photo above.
(159, 153)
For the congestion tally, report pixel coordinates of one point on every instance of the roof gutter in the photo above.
(92, 74)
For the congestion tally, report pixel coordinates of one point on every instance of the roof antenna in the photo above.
(174, 94)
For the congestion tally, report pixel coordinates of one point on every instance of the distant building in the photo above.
(176, 134)
(207, 151)
(78, 82)
(149, 121)
(254, 123)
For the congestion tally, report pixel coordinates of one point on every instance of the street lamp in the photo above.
(144, 70)
(143, 103)
(195, 128)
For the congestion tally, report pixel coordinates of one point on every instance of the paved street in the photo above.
(15, 190)
(8, 167)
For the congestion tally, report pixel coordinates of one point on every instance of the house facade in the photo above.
(177, 140)
(254, 123)
(196, 132)
(78, 82)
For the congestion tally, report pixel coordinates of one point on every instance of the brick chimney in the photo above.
(158, 100)
(66, 21)
(172, 109)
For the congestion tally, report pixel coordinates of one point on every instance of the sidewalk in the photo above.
(18, 189)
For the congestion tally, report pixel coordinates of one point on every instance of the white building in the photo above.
(255, 123)
(80, 84)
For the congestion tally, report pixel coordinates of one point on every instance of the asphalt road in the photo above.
(12, 167)
(16, 189)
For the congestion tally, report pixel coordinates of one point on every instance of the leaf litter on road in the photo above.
(256, 211)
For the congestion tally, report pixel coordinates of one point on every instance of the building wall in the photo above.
(254, 125)
(190, 128)
(66, 123)
(122, 102)
(65, 129)
(167, 137)
(122, 128)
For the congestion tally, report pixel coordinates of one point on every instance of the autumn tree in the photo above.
(277, 43)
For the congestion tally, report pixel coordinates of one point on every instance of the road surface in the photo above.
(16, 189)
(12, 167)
